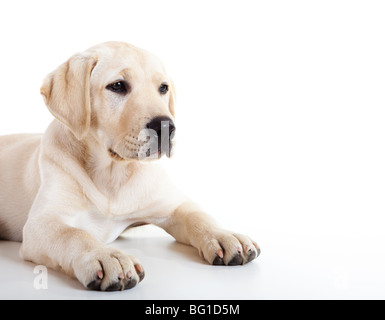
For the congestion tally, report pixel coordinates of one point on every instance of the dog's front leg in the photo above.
(189, 225)
(50, 242)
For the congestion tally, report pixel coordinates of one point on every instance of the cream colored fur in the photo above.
(64, 194)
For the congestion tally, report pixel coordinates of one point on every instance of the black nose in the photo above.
(162, 131)
(162, 125)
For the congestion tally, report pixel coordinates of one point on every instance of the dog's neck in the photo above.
(107, 174)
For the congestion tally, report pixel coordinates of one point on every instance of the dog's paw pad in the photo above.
(108, 269)
(227, 248)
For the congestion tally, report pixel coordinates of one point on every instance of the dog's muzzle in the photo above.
(161, 131)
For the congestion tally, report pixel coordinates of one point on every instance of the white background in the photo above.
(280, 121)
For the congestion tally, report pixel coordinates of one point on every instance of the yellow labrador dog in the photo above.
(93, 173)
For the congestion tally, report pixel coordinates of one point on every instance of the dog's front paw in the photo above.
(226, 248)
(108, 269)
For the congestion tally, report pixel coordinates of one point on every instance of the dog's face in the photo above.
(118, 95)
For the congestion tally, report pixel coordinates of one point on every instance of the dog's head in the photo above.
(117, 95)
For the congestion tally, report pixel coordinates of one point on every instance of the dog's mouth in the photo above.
(148, 145)
(157, 149)
(149, 154)
(114, 155)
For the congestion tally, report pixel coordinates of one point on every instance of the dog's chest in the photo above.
(148, 197)
(108, 224)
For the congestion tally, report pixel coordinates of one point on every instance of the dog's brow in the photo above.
(159, 78)
(125, 72)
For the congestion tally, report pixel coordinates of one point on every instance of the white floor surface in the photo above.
(296, 269)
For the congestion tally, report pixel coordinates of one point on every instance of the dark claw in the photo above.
(218, 261)
(141, 276)
(251, 256)
(95, 285)
(117, 286)
(236, 261)
(130, 284)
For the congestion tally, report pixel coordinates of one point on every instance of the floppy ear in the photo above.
(172, 99)
(66, 93)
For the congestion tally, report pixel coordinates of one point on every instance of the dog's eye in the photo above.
(163, 89)
(118, 87)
